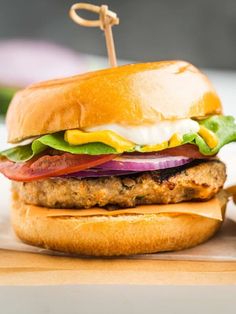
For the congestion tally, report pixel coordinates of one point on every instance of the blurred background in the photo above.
(38, 40)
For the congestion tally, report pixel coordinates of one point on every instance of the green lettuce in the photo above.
(224, 128)
(55, 141)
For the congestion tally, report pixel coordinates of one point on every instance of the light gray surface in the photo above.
(111, 299)
(200, 31)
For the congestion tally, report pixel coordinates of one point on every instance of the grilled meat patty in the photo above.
(199, 180)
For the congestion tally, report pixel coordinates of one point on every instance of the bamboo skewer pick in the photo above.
(106, 20)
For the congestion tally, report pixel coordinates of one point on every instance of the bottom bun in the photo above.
(113, 235)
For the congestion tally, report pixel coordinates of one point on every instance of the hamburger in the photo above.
(119, 161)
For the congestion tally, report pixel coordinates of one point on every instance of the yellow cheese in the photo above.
(175, 140)
(120, 144)
(209, 209)
(209, 137)
(77, 137)
(154, 148)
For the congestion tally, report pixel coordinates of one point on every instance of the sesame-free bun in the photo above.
(134, 94)
(112, 235)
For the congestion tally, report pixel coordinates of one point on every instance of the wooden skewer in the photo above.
(106, 20)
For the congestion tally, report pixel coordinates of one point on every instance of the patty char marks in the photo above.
(199, 180)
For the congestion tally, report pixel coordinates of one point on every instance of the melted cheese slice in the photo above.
(152, 134)
(211, 209)
(157, 137)
(209, 137)
(77, 137)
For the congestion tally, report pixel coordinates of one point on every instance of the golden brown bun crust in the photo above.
(114, 235)
(130, 95)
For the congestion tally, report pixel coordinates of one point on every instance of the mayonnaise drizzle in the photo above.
(151, 134)
(25, 142)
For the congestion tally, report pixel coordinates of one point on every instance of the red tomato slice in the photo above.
(186, 150)
(50, 166)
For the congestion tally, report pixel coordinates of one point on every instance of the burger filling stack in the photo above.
(117, 162)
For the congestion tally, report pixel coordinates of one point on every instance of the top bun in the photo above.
(134, 94)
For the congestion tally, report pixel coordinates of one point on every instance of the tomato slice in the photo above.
(186, 150)
(50, 166)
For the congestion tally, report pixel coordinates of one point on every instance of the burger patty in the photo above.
(199, 180)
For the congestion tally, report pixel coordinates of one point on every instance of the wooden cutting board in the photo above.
(18, 268)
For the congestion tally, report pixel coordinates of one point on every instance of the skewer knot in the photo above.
(106, 17)
(106, 20)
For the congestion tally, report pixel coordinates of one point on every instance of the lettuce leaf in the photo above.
(55, 141)
(223, 126)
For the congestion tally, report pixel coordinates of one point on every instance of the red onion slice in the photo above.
(144, 164)
(124, 166)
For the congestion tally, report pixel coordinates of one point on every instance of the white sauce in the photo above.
(25, 142)
(151, 134)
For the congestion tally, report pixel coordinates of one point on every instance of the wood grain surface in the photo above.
(17, 268)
